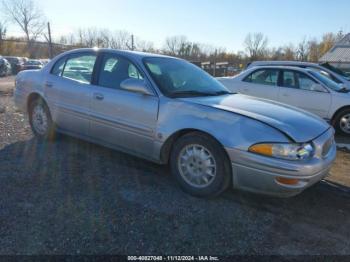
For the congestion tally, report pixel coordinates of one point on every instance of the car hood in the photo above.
(297, 124)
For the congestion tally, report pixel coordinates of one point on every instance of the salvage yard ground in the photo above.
(73, 197)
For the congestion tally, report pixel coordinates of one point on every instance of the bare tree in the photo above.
(255, 45)
(303, 50)
(3, 31)
(340, 35)
(144, 46)
(26, 15)
(121, 40)
(276, 53)
(327, 42)
(104, 38)
(314, 50)
(174, 44)
(289, 52)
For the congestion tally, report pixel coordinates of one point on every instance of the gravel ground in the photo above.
(73, 197)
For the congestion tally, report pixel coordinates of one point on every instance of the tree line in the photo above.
(32, 22)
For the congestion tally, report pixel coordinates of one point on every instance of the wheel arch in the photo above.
(32, 97)
(337, 112)
(171, 140)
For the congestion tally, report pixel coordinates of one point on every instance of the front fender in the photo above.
(230, 129)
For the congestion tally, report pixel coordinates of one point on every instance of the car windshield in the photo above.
(178, 78)
(326, 81)
(337, 71)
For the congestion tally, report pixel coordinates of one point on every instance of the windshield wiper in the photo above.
(224, 93)
(197, 93)
(191, 93)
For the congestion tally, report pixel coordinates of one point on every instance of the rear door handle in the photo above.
(98, 96)
(285, 95)
(49, 84)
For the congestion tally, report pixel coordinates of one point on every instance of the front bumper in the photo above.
(258, 174)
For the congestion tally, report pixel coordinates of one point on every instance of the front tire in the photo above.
(341, 122)
(200, 165)
(40, 120)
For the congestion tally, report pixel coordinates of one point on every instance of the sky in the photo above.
(221, 23)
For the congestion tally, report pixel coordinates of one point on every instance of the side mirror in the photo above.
(135, 85)
(318, 88)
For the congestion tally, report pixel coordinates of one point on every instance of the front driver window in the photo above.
(305, 82)
(298, 80)
(115, 70)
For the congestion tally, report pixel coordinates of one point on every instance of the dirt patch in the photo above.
(340, 172)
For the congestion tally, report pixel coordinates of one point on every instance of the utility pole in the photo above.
(214, 70)
(132, 43)
(49, 39)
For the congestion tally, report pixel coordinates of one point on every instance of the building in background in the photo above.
(339, 55)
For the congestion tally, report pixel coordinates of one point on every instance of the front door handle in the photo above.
(98, 96)
(285, 95)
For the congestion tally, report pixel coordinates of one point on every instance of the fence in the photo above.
(43, 50)
(33, 49)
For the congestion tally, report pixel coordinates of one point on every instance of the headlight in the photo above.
(284, 151)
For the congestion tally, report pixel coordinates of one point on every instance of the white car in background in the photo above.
(304, 88)
(333, 73)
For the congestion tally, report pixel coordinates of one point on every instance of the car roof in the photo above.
(281, 67)
(298, 63)
(134, 54)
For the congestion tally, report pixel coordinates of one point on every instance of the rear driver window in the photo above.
(79, 68)
(263, 77)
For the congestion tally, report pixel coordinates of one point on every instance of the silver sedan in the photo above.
(167, 110)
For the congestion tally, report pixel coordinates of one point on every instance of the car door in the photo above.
(261, 83)
(121, 118)
(297, 89)
(68, 91)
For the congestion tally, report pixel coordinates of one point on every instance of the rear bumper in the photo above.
(258, 174)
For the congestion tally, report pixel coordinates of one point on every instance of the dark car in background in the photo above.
(5, 67)
(16, 63)
(32, 64)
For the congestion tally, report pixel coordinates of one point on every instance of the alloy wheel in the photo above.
(197, 166)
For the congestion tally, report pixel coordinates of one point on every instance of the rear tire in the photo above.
(40, 120)
(341, 122)
(200, 165)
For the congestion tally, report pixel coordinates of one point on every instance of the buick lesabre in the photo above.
(168, 110)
